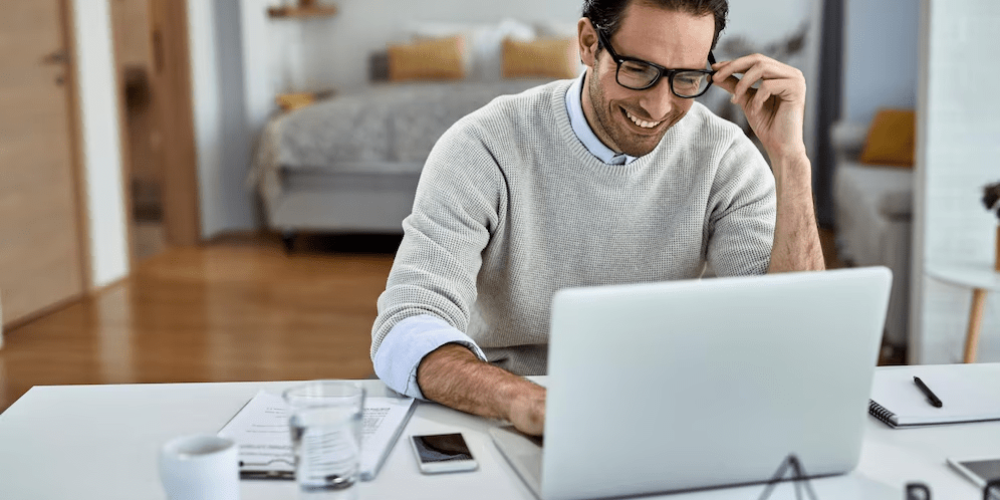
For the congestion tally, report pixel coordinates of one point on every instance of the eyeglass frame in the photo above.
(661, 70)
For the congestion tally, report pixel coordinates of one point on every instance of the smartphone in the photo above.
(442, 453)
(978, 470)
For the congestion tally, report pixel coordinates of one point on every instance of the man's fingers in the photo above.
(763, 94)
(740, 65)
(772, 68)
(749, 78)
(728, 84)
(721, 64)
(743, 100)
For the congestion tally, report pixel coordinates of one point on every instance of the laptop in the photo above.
(665, 387)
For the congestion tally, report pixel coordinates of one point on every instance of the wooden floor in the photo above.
(238, 309)
(224, 312)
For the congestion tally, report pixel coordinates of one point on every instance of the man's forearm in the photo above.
(796, 239)
(453, 376)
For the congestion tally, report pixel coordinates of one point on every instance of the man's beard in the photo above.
(629, 142)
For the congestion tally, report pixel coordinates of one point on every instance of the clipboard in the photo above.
(270, 432)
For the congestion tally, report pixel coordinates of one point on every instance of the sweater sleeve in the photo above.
(741, 212)
(455, 210)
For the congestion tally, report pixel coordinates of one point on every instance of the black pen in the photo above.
(267, 474)
(931, 398)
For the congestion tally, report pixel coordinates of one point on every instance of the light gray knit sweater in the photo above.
(512, 207)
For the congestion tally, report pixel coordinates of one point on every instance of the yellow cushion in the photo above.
(433, 59)
(291, 102)
(891, 138)
(551, 57)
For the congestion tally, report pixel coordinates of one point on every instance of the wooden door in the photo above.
(41, 253)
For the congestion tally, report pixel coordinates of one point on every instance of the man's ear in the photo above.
(587, 39)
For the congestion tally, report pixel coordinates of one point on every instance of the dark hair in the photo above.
(607, 14)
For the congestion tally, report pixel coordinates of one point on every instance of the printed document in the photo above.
(261, 430)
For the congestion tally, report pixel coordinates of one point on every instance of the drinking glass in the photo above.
(325, 420)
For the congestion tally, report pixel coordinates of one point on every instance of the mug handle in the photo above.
(918, 491)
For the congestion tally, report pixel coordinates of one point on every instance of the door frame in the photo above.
(74, 114)
(172, 86)
(171, 90)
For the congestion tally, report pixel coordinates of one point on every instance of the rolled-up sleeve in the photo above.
(406, 345)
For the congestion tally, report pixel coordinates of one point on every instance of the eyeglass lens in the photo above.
(636, 75)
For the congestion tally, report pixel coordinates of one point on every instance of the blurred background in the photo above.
(212, 190)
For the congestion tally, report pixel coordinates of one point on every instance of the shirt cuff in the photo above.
(405, 346)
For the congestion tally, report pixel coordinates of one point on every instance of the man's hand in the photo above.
(527, 412)
(775, 109)
(453, 376)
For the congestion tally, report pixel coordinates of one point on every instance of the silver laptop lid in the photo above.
(680, 385)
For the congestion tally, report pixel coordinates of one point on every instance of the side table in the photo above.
(981, 278)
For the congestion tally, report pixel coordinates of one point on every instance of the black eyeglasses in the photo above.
(637, 74)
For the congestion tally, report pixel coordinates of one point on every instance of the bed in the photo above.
(350, 164)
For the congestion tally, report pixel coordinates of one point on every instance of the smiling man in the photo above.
(618, 176)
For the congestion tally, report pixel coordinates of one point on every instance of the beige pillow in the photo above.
(434, 59)
(549, 57)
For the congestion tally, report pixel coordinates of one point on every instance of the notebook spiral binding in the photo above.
(882, 413)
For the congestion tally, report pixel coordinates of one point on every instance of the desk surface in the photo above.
(972, 274)
(101, 442)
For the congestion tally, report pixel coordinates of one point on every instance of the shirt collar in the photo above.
(574, 105)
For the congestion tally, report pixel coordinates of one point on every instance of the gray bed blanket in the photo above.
(387, 128)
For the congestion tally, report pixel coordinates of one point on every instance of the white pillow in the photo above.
(483, 42)
(556, 29)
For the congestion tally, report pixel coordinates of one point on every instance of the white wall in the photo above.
(101, 142)
(880, 57)
(333, 52)
(222, 140)
(207, 109)
(958, 152)
(282, 55)
(336, 50)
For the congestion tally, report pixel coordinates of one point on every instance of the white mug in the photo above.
(200, 467)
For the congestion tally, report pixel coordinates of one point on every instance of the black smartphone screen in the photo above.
(441, 448)
(987, 470)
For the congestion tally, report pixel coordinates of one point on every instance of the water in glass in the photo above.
(327, 446)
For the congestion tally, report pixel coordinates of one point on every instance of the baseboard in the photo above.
(45, 311)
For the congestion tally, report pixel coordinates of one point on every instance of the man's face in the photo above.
(665, 37)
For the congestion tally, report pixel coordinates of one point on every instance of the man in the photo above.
(615, 177)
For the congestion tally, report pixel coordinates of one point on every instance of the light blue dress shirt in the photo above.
(574, 105)
(406, 344)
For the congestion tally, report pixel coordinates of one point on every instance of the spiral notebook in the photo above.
(968, 393)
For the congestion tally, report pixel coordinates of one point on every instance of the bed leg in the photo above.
(288, 239)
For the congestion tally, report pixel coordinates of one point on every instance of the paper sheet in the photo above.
(262, 433)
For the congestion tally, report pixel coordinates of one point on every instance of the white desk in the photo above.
(101, 443)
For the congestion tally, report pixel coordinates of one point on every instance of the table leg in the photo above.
(975, 322)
